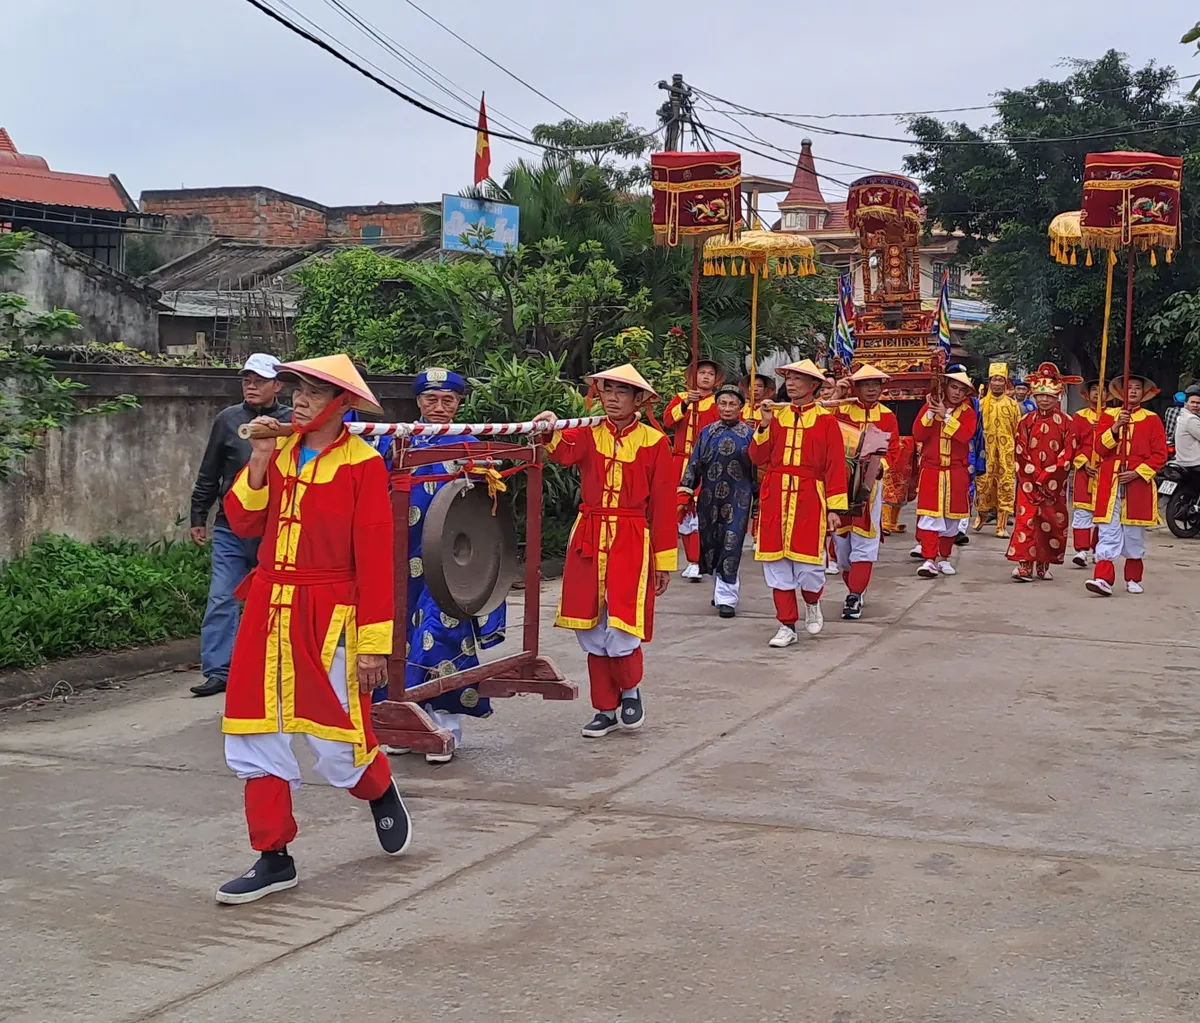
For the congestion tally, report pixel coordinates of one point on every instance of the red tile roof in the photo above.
(25, 178)
(806, 190)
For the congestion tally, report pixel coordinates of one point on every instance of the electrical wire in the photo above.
(494, 63)
(932, 143)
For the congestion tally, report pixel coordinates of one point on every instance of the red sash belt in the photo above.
(588, 514)
(293, 577)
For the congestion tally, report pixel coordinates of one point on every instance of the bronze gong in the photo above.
(469, 553)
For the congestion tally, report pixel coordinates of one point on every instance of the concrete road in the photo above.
(976, 804)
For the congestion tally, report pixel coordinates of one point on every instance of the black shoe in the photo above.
(599, 726)
(961, 540)
(393, 826)
(633, 714)
(209, 687)
(853, 607)
(725, 611)
(274, 872)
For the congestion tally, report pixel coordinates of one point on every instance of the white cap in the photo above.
(266, 366)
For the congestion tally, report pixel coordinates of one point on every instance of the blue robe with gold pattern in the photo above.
(720, 466)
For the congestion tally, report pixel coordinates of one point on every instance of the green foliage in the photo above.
(65, 597)
(32, 399)
(141, 257)
(1177, 328)
(663, 365)
(1192, 35)
(1002, 198)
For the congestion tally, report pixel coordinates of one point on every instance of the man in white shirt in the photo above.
(1187, 430)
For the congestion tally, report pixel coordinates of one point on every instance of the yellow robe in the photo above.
(995, 490)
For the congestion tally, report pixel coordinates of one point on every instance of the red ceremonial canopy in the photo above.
(696, 195)
(1131, 200)
(879, 200)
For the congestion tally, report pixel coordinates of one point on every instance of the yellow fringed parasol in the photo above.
(753, 253)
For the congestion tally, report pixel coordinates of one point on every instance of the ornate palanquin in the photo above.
(696, 196)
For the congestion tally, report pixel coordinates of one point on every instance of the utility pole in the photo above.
(675, 111)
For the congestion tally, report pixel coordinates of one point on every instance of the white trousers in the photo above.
(962, 525)
(726, 593)
(1118, 541)
(256, 756)
(451, 722)
(1081, 518)
(690, 524)
(794, 575)
(604, 641)
(942, 526)
(852, 547)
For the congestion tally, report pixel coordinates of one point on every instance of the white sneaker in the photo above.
(814, 620)
(691, 572)
(928, 570)
(916, 552)
(1133, 587)
(1101, 586)
(439, 758)
(1079, 559)
(786, 636)
(832, 569)
(946, 568)
(393, 751)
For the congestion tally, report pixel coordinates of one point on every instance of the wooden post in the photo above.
(1128, 325)
(533, 550)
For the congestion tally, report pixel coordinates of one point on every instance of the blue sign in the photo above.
(465, 222)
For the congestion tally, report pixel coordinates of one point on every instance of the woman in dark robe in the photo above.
(721, 476)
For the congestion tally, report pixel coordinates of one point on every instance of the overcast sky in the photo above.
(171, 93)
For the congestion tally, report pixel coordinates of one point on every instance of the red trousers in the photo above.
(610, 675)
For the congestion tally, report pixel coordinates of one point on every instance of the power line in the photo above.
(494, 63)
(1025, 141)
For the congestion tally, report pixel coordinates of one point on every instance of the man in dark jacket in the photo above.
(232, 557)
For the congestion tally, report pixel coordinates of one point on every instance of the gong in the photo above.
(469, 552)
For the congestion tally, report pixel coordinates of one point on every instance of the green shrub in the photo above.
(65, 598)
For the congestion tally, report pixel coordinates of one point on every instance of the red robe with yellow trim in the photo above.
(626, 527)
(685, 426)
(324, 574)
(1044, 447)
(882, 417)
(1143, 448)
(944, 489)
(1083, 433)
(802, 459)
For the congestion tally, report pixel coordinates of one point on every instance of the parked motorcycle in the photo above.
(1179, 492)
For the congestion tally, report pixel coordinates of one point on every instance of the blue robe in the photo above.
(978, 449)
(436, 643)
(720, 465)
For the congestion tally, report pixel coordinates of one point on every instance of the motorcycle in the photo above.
(1179, 489)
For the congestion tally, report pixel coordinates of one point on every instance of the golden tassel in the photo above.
(1073, 259)
(1112, 257)
(1089, 257)
(1170, 255)
(1153, 258)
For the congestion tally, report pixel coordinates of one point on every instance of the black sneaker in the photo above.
(393, 826)
(274, 872)
(599, 726)
(726, 611)
(961, 540)
(633, 714)
(853, 608)
(209, 687)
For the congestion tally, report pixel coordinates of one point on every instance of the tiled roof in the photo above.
(25, 178)
(806, 189)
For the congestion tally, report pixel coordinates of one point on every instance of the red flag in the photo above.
(483, 148)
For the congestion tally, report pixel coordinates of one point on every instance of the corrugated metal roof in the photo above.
(228, 265)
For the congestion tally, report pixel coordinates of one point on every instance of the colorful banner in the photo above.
(941, 318)
(841, 345)
(696, 195)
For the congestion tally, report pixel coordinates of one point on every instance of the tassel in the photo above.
(1089, 257)
(1153, 258)
(1170, 255)
(1112, 257)
(1073, 259)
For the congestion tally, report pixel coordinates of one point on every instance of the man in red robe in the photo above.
(685, 416)
(1132, 444)
(944, 429)
(800, 454)
(317, 628)
(1044, 447)
(622, 548)
(857, 540)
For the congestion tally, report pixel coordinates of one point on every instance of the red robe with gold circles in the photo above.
(324, 577)
(1044, 449)
(802, 461)
(626, 527)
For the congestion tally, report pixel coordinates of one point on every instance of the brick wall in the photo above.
(263, 214)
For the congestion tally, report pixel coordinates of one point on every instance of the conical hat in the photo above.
(340, 371)
(805, 366)
(868, 372)
(625, 374)
(962, 378)
(1116, 386)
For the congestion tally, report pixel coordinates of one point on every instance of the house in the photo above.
(87, 212)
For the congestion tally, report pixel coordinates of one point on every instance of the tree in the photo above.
(33, 399)
(1003, 196)
(595, 143)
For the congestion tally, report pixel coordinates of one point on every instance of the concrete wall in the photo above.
(112, 306)
(132, 474)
